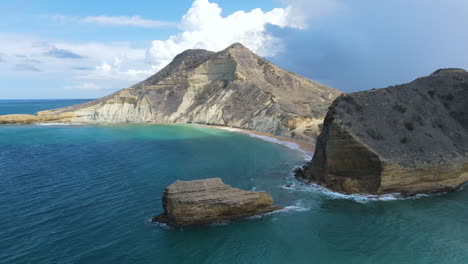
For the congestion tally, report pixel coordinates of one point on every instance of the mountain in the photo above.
(410, 138)
(233, 87)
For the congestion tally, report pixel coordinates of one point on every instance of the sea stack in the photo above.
(410, 138)
(233, 87)
(198, 202)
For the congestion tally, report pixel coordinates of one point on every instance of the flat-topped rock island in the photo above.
(198, 202)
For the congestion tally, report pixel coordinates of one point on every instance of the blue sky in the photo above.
(87, 49)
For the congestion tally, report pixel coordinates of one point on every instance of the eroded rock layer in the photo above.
(190, 203)
(410, 138)
(233, 87)
(27, 119)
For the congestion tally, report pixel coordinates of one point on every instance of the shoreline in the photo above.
(306, 148)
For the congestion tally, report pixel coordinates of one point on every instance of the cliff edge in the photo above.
(410, 138)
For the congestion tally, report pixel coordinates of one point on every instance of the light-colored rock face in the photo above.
(233, 87)
(121, 109)
(409, 138)
(190, 203)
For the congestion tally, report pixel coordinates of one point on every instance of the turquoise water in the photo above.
(85, 194)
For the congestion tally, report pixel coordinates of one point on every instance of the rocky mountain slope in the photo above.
(233, 87)
(408, 138)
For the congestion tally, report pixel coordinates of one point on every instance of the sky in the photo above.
(88, 49)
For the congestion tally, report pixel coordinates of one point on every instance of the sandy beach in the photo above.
(306, 148)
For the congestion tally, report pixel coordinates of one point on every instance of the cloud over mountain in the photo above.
(203, 26)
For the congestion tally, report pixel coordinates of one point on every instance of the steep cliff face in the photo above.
(233, 87)
(408, 138)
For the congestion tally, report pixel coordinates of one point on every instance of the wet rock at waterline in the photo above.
(191, 203)
(410, 138)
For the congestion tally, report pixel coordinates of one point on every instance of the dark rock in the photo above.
(410, 138)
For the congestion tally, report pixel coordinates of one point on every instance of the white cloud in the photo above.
(134, 21)
(303, 11)
(114, 71)
(118, 64)
(203, 26)
(130, 21)
(18, 49)
(84, 86)
(105, 51)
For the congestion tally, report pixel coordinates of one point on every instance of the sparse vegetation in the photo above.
(419, 120)
(399, 108)
(404, 140)
(409, 126)
(351, 101)
(374, 134)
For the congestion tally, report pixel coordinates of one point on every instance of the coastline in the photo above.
(306, 148)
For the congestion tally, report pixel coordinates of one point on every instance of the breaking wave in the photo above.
(295, 185)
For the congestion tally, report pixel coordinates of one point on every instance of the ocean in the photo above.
(30, 107)
(86, 194)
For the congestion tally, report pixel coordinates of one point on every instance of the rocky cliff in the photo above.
(408, 138)
(190, 203)
(233, 87)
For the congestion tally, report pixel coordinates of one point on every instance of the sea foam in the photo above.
(295, 185)
(57, 124)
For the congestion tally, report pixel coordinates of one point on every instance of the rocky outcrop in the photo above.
(410, 138)
(233, 87)
(28, 119)
(190, 203)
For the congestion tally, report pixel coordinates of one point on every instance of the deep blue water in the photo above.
(31, 107)
(85, 194)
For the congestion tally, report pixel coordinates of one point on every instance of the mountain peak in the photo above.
(232, 87)
(448, 70)
(237, 48)
(237, 45)
(241, 54)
